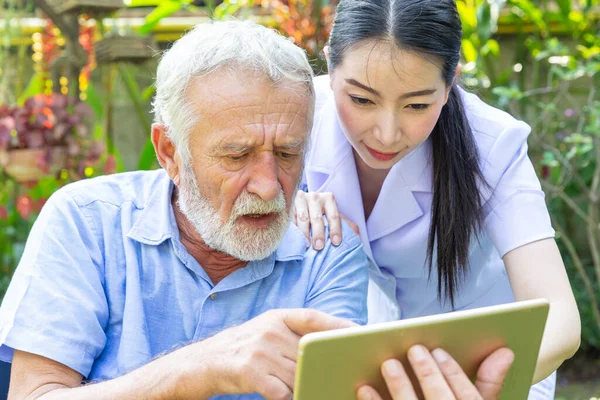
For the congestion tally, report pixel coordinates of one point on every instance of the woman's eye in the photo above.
(360, 100)
(419, 107)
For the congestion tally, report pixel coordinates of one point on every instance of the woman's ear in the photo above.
(456, 73)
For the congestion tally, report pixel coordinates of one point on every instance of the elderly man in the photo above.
(189, 282)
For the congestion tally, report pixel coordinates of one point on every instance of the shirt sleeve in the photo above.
(55, 305)
(340, 283)
(516, 213)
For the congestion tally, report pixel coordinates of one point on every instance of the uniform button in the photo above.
(213, 296)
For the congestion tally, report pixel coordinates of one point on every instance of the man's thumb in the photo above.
(305, 320)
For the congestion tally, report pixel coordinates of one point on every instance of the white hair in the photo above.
(210, 47)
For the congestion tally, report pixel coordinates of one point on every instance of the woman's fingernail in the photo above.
(364, 394)
(440, 356)
(337, 239)
(319, 244)
(392, 368)
(417, 353)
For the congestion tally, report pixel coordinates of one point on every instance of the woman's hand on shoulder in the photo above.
(309, 209)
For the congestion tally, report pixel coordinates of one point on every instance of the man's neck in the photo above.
(216, 264)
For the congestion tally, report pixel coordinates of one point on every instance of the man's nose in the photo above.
(263, 179)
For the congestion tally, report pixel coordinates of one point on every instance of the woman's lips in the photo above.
(381, 156)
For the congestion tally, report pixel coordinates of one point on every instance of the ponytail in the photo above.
(457, 212)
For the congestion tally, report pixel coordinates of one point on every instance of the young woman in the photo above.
(437, 183)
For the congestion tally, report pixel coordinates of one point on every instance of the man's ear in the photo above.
(456, 73)
(165, 151)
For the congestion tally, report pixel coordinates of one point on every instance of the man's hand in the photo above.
(257, 356)
(440, 377)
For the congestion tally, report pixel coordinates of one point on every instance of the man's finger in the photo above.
(305, 320)
(433, 384)
(397, 380)
(492, 372)
(367, 393)
(458, 381)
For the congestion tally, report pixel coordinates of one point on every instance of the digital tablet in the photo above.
(332, 365)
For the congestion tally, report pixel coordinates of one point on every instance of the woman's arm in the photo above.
(536, 270)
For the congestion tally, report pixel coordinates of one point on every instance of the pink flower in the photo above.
(24, 206)
(110, 167)
(3, 213)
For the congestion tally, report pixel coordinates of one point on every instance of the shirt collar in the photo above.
(156, 222)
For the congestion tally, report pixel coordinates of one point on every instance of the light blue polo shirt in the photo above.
(105, 285)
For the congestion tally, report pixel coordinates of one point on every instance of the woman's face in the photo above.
(388, 100)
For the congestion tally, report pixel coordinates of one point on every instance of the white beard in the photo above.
(233, 237)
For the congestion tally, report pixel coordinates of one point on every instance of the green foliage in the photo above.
(164, 9)
(553, 84)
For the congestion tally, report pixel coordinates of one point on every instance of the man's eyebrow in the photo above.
(238, 148)
(295, 145)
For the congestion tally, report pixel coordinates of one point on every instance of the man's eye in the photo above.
(419, 107)
(287, 155)
(360, 100)
(237, 157)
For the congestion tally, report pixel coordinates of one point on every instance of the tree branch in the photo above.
(570, 202)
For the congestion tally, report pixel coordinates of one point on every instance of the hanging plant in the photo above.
(48, 134)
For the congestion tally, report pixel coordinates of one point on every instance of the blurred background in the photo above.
(76, 86)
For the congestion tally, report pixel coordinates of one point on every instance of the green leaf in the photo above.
(166, 8)
(148, 92)
(94, 101)
(134, 95)
(35, 86)
(549, 160)
(468, 16)
(565, 7)
(484, 22)
(469, 51)
(99, 132)
(226, 9)
(507, 92)
(147, 159)
(572, 152)
(528, 8)
(576, 17)
(491, 47)
(141, 3)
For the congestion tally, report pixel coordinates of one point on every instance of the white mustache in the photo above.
(247, 203)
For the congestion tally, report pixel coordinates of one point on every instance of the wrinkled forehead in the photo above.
(235, 102)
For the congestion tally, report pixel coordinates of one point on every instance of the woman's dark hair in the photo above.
(432, 29)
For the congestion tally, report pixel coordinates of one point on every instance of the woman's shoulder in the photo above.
(499, 135)
(486, 120)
